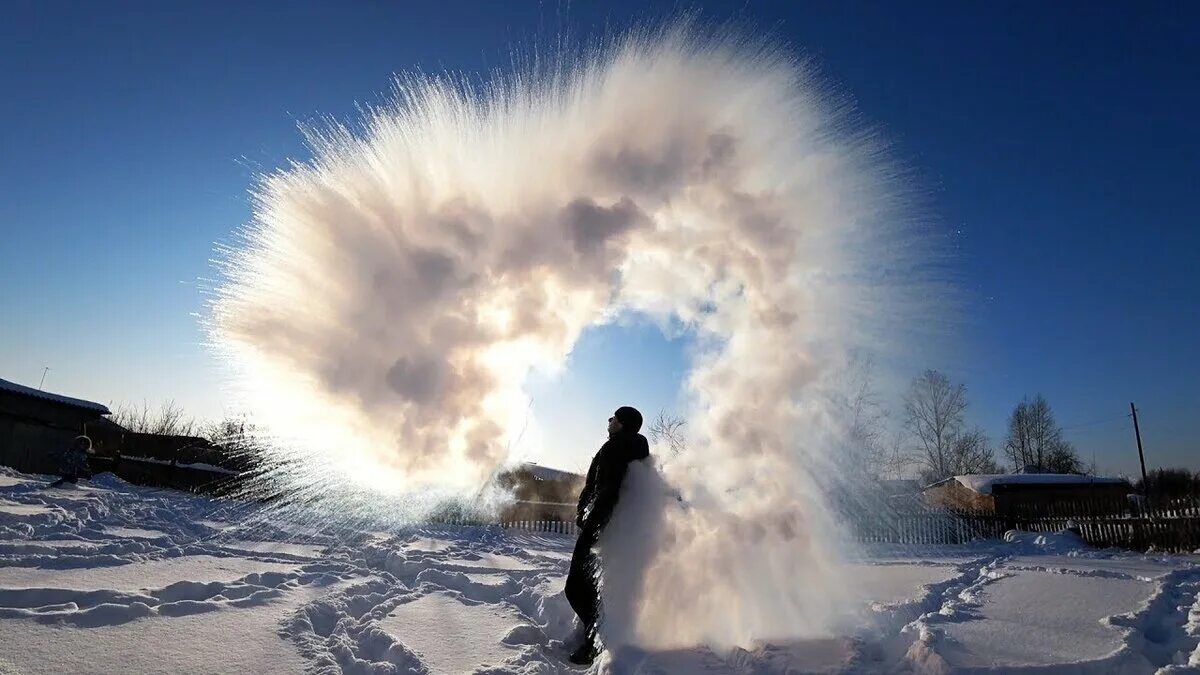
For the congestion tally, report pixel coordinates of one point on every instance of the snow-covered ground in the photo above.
(106, 577)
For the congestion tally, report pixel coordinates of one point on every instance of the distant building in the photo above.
(37, 426)
(542, 493)
(1007, 493)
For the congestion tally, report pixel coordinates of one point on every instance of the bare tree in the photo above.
(866, 418)
(971, 453)
(668, 429)
(168, 420)
(1035, 440)
(229, 432)
(870, 452)
(895, 462)
(933, 414)
(1064, 458)
(233, 440)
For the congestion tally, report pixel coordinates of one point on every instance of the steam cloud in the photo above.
(392, 294)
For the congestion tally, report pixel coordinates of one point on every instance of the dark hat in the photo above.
(630, 418)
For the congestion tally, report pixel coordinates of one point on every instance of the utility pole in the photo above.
(44, 371)
(1142, 457)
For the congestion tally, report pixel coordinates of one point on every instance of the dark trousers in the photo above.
(64, 479)
(583, 589)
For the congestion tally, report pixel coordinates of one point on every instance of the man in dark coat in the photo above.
(74, 461)
(596, 503)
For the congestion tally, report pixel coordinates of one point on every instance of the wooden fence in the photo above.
(1164, 525)
(926, 526)
(547, 526)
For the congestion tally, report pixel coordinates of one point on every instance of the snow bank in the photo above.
(1048, 542)
(201, 466)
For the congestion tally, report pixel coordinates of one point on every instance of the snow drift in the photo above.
(381, 312)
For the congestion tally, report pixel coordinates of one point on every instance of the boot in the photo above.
(587, 652)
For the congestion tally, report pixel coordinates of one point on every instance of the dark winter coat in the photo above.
(73, 462)
(604, 477)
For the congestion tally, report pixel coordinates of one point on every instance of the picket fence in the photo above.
(546, 526)
(543, 526)
(1163, 525)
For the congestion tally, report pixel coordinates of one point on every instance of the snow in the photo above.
(983, 483)
(135, 576)
(445, 633)
(111, 577)
(22, 509)
(489, 561)
(1008, 633)
(897, 582)
(428, 545)
(194, 465)
(241, 641)
(1045, 542)
(486, 579)
(138, 532)
(285, 548)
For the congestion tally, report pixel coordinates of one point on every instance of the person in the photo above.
(600, 494)
(74, 461)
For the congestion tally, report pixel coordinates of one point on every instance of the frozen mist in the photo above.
(380, 313)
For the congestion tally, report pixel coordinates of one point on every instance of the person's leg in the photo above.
(583, 592)
(58, 482)
(581, 588)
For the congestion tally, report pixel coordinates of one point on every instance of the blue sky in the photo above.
(1055, 146)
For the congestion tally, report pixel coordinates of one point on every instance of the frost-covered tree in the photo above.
(667, 429)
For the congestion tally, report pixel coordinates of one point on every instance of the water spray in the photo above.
(384, 306)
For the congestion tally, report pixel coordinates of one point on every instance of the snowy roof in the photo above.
(546, 473)
(983, 483)
(22, 390)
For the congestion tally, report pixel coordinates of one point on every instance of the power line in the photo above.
(1095, 422)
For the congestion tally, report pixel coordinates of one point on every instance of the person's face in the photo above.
(614, 424)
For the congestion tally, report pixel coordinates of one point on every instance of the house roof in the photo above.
(983, 483)
(546, 473)
(22, 390)
(107, 425)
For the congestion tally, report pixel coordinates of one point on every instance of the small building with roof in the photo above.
(37, 426)
(541, 492)
(1008, 493)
